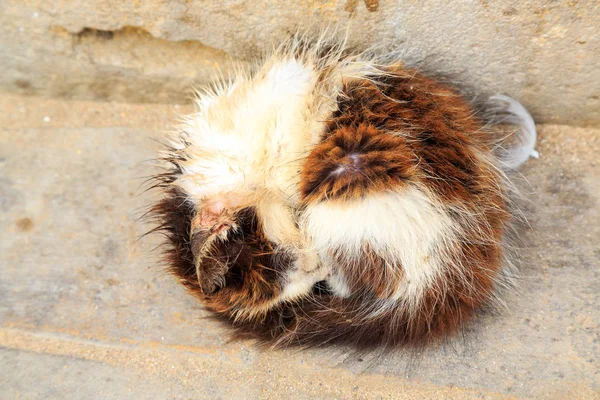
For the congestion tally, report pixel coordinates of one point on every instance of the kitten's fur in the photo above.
(329, 197)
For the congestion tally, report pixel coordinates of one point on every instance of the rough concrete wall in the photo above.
(545, 53)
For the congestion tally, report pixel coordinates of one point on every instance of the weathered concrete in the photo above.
(544, 53)
(86, 312)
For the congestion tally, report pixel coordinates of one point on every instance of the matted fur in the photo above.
(330, 197)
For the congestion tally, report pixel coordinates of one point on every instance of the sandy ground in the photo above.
(86, 310)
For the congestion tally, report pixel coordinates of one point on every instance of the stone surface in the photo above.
(544, 53)
(86, 310)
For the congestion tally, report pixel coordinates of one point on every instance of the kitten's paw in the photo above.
(212, 255)
(212, 260)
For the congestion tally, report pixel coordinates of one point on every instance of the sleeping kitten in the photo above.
(331, 197)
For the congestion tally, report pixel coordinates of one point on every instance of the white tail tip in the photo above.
(506, 110)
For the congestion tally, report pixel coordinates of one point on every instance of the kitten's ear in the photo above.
(211, 267)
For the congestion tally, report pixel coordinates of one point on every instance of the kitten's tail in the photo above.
(504, 110)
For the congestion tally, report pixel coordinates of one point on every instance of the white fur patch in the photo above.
(405, 228)
(250, 138)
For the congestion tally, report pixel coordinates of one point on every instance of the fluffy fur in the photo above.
(330, 197)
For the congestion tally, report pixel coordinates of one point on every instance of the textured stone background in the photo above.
(544, 53)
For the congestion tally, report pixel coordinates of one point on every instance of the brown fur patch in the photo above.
(385, 129)
(354, 160)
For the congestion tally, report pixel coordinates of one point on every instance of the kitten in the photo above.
(333, 197)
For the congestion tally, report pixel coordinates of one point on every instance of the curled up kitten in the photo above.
(330, 197)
